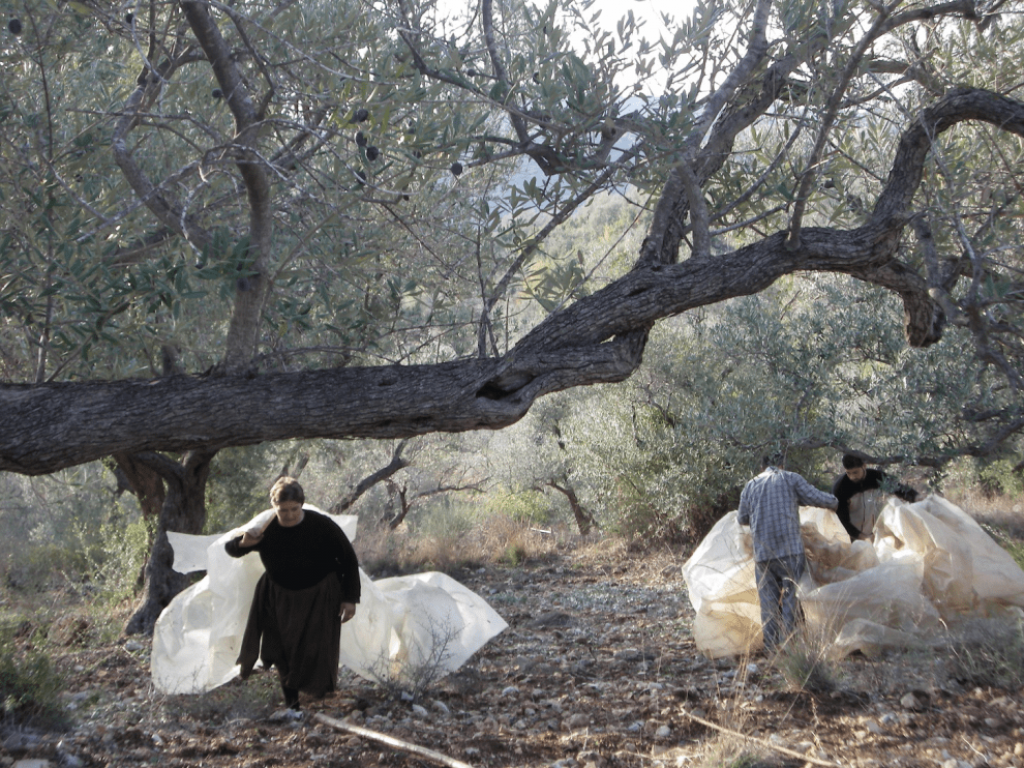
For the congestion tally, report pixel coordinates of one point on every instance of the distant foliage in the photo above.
(525, 506)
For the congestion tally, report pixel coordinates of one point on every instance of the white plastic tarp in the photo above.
(929, 562)
(400, 625)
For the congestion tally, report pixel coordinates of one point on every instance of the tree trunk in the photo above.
(145, 483)
(404, 506)
(184, 511)
(148, 487)
(584, 520)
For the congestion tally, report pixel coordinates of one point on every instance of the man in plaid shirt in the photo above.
(770, 505)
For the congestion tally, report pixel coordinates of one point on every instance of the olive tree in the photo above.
(291, 225)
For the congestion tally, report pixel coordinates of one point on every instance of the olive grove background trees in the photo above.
(232, 224)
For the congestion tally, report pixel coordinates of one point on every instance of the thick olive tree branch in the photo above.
(698, 209)
(598, 339)
(662, 243)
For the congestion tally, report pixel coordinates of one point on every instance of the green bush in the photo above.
(1000, 477)
(114, 554)
(29, 687)
(118, 558)
(445, 520)
(514, 554)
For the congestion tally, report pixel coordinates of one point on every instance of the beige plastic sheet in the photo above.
(930, 563)
(401, 623)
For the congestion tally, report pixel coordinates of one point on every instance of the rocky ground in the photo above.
(596, 669)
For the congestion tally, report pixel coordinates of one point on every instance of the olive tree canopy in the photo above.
(301, 208)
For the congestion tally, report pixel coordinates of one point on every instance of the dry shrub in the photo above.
(611, 549)
(410, 680)
(384, 552)
(989, 652)
(443, 553)
(507, 540)
(497, 539)
(997, 508)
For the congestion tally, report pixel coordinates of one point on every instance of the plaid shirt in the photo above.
(770, 503)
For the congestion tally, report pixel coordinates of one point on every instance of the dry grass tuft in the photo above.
(805, 663)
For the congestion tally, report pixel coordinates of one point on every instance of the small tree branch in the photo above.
(397, 463)
(761, 742)
(391, 741)
(500, 75)
(832, 106)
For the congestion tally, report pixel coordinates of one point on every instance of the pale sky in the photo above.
(613, 10)
(649, 10)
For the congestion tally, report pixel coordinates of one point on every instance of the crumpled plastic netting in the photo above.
(401, 623)
(930, 564)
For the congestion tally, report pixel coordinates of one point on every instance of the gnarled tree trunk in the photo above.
(184, 511)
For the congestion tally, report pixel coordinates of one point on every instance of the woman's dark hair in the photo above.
(852, 462)
(287, 489)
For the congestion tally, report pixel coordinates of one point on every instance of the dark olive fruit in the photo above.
(128, 18)
(216, 93)
(15, 26)
(372, 153)
(456, 168)
(360, 177)
(360, 139)
(362, 115)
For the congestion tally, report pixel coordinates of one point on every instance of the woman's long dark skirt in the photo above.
(298, 631)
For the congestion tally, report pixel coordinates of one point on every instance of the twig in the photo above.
(762, 742)
(391, 741)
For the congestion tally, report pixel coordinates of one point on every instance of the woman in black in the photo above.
(310, 588)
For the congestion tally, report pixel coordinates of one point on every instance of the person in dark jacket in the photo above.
(861, 496)
(310, 588)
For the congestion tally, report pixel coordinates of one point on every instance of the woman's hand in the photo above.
(253, 536)
(348, 610)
